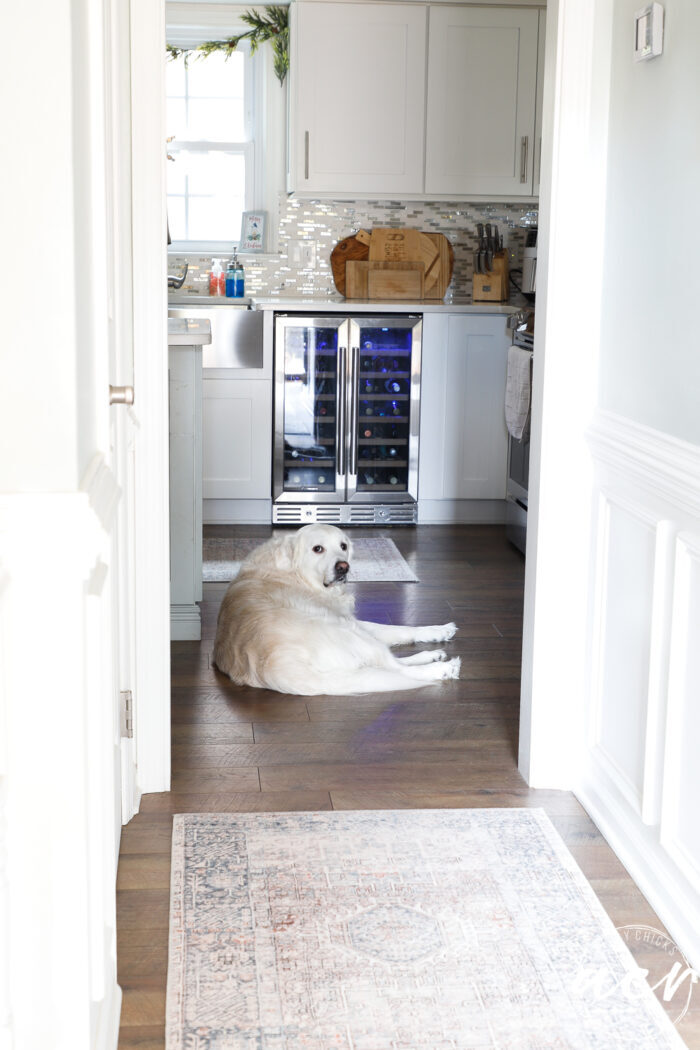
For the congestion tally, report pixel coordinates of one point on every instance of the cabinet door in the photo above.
(482, 72)
(537, 159)
(358, 114)
(236, 438)
(464, 441)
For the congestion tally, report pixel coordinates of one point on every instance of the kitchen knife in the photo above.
(480, 231)
(489, 248)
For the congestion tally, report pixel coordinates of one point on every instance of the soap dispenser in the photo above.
(238, 278)
(231, 279)
(216, 278)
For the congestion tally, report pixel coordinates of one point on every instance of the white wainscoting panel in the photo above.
(680, 823)
(639, 773)
(625, 602)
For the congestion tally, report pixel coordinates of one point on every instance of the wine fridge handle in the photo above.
(354, 397)
(341, 454)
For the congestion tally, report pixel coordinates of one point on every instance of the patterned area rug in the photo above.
(374, 559)
(421, 930)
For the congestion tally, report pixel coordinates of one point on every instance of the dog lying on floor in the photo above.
(287, 623)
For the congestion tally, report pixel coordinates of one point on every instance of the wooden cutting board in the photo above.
(371, 279)
(430, 257)
(394, 244)
(355, 247)
(445, 265)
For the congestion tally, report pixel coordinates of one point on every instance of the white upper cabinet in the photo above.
(358, 97)
(482, 79)
(538, 105)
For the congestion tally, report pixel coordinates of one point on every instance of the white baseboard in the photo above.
(237, 511)
(108, 1013)
(637, 847)
(185, 623)
(461, 511)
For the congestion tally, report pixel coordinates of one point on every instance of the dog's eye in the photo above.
(343, 546)
(318, 549)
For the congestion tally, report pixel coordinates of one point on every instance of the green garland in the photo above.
(273, 25)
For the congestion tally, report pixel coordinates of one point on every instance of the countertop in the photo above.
(183, 331)
(336, 303)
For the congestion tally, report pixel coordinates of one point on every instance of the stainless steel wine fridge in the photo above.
(347, 404)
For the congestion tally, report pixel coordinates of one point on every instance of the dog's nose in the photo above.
(342, 568)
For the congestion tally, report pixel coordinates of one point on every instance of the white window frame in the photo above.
(189, 24)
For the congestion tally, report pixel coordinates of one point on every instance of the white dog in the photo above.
(286, 623)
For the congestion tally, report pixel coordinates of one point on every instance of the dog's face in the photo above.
(322, 554)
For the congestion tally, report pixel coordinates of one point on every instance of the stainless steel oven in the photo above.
(347, 413)
(519, 451)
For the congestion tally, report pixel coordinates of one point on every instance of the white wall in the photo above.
(649, 362)
(612, 596)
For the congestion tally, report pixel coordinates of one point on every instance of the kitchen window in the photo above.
(211, 113)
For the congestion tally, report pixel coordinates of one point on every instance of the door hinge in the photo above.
(126, 713)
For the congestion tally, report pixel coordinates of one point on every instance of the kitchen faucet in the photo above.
(177, 282)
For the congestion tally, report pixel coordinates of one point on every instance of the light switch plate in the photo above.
(302, 254)
(648, 32)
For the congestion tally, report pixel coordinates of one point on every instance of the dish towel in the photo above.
(518, 388)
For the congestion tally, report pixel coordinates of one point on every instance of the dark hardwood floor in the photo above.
(453, 744)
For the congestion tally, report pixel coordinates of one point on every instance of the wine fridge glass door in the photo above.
(384, 409)
(310, 450)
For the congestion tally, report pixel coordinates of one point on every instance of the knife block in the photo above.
(492, 287)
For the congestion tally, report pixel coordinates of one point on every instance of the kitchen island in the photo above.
(186, 337)
(463, 439)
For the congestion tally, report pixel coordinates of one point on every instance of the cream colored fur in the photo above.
(287, 623)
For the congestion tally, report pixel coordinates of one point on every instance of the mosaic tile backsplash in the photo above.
(322, 223)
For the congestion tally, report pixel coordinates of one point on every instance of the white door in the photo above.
(71, 532)
(482, 72)
(358, 97)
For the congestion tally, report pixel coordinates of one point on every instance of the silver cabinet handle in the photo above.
(340, 395)
(354, 394)
(306, 154)
(121, 395)
(523, 158)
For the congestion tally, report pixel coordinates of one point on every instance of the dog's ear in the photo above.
(282, 551)
(275, 553)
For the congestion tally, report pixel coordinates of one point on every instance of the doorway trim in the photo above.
(149, 230)
(557, 616)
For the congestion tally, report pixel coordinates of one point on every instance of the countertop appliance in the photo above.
(236, 334)
(347, 403)
(523, 325)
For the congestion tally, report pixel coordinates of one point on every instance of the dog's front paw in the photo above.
(449, 631)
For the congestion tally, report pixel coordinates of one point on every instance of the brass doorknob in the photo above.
(121, 395)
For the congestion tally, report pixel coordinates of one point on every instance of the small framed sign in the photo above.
(252, 231)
